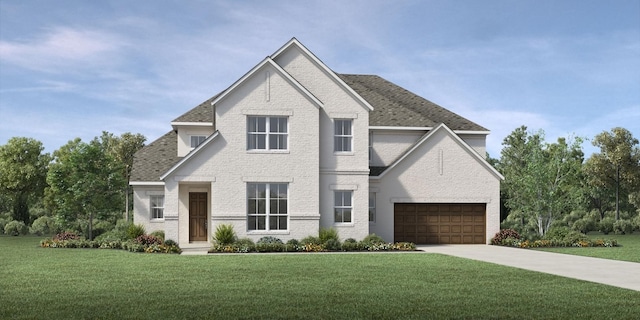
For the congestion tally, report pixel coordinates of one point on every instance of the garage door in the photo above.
(436, 223)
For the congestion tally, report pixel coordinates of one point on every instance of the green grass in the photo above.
(629, 249)
(39, 283)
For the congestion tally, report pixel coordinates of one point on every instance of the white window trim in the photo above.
(350, 136)
(204, 137)
(372, 195)
(151, 208)
(342, 207)
(267, 214)
(267, 133)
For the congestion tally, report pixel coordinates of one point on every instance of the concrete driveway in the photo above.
(611, 272)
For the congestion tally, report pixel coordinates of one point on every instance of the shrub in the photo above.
(135, 230)
(293, 245)
(310, 240)
(224, 234)
(635, 222)
(3, 222)
(574, 237)
(43, 225)
(101, 226)
(333, 244)
(623, 227)
(15, 228)
(606, 225)
(500, 237)
(557, 233)
(170, 242)
(371, 240)
(584, 225)
(147, 240)
(269, 239)
(158, 234)
(350, 245)
(328, 234)
(65, 236)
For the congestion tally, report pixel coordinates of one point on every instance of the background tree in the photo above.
(85, 182)
(23, 170)
(541, 179)
(613, 174)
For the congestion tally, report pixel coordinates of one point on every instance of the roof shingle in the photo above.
(156, 158)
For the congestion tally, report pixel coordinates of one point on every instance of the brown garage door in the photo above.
(436, 223)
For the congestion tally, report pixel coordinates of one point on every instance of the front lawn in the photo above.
(42, 283)
(628, 249)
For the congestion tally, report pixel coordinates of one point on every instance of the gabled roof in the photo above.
(295, 43)
(395, 106)
(201, 113)
(190, 155)
(426, 137)
(150, 162)
(284, 74)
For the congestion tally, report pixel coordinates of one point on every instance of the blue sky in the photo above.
(76, 68)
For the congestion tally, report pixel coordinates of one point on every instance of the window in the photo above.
(267, 133)
(197, 140)
(157, 207)
(372, 207)
(343, 135)
(267, 206)
(342, 206)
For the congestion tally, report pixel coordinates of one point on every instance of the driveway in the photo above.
(621, 274)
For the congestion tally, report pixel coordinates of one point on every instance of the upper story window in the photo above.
(343, 135)
(267, 133)
(157, 207)
(197, 140)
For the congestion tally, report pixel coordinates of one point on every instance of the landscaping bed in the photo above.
(559, 237)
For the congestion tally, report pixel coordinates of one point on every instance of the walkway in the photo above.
(621, 274)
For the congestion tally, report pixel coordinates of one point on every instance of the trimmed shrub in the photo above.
(148, 240)
(350, 245)
(43, 225)
(224, 234)
(371, 240)
(135, 230)
(623, 227)
(328, 234)
(170, 242)
(584, 225)
(606, 225)
(15, 227)
(293, 245)
(66, 236)
(333, 244)
(158, 234)
(501, 236)
(269, 239)
(557, 233)
(310, 240)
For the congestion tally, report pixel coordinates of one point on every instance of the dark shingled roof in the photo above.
(156, 158)
(397, 107)
(393, 106)
(201, 113)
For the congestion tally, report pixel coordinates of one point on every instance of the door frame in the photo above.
(203, 220)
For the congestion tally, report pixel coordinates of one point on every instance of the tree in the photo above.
(613, 174)
(85, 182)
(23, 171)
(541, 179)
(122, 149)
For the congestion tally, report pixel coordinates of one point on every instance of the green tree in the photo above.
(85, 183)
(23, 171)
(541, 179)
(613, 174)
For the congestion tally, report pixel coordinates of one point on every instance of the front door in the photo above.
(197, 216)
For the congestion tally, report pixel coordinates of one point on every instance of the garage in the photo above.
(437, 223)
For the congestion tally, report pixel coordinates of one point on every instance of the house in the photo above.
(292, 147)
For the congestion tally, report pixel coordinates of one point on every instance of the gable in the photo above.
(154, 159)
(432, 148)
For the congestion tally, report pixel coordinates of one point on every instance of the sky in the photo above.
(76, 68)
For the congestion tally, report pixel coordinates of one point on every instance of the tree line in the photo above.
(81, 186)
(550, 184)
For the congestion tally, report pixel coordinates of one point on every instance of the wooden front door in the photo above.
(197, 216)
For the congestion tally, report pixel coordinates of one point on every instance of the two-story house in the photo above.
(292, 147)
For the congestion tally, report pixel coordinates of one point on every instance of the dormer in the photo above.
(194, 127)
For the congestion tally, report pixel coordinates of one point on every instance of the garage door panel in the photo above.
(440, 223)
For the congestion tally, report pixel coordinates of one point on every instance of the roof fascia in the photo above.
(193, 124)
(323, 67)
(190, 155)
(427, 129)
(456, 138)
(286, 75)
(146, 183)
